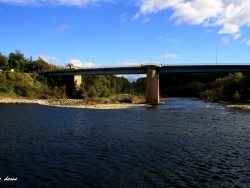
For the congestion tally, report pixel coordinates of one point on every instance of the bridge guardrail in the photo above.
(104, 67)
(153, 64)
(205, 64)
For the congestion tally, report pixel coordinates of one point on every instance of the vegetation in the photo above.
(16, 84)
(19, 63)
(25, 82)
(212, 87)
(233, 87)
(103, 86)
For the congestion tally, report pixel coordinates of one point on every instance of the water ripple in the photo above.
(184, 143)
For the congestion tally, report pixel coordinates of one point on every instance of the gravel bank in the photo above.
(69, 103)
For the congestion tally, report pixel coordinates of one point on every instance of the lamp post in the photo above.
(163, 56)
(216, 58)
(139, 58)
(92, 60)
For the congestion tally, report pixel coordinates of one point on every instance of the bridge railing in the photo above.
(159, 64)
(148, 64)
(122, 66)
(206, 64)
(104, 67)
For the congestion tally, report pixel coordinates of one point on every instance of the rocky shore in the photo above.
(21, 100)
(69, 103)
(239, 106)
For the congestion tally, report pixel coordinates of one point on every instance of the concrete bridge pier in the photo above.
(77, 81)
(152, 85)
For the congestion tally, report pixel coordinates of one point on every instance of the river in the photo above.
(183, 143)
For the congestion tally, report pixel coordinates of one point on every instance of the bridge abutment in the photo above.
(152, 85)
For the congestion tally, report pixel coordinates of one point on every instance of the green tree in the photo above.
(3, 61)
(229, 88)
(17, 60)
(139, 87)
(70, 65)
(41, 65)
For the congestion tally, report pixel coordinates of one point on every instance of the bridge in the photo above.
(152, 71)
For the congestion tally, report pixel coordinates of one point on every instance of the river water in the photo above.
(183, 143)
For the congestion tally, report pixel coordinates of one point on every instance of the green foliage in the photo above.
(186, 84)
(139, 87)
(17, 60)
(228, 88)
(103, 86)
(207, 86)
(27, 85)
(237, 96)
(41, 65)
(3, 61)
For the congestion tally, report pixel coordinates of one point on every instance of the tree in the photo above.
(70, 65)
(139, 86)
(41, 65)
(17, 60)
(3, 61)
(229, 88)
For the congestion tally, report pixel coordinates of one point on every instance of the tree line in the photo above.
(207, 86)
(25, 81)
(16, 60)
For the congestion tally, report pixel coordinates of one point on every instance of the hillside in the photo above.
(15, 84)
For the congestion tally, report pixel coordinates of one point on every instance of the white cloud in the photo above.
(56, 2)
(225, 40)
(171, 55)
(81, 64)
(245, 41)
(236, 36)
(230, 15)
(172, 40)
(197, 11)
(123, 18)
(146, 20)
(49, 59)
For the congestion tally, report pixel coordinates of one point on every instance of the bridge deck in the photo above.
(143, 70)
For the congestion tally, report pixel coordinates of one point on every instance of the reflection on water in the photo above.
(183, 143)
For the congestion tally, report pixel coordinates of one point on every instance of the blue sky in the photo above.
(119, 32)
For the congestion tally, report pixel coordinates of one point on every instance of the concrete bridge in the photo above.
(152, 71)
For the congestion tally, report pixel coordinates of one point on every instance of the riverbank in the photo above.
(79, 103)
(6, 100)
(243, 106)
(69, 103)
(239, 106)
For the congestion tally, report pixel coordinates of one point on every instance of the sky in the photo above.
(127, 32)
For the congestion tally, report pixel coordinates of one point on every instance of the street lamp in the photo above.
(139, 58)
(216, 54)
(163, 56)
(92, 60)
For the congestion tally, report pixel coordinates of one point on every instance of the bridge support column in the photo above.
(77, 81)
(152, 85)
